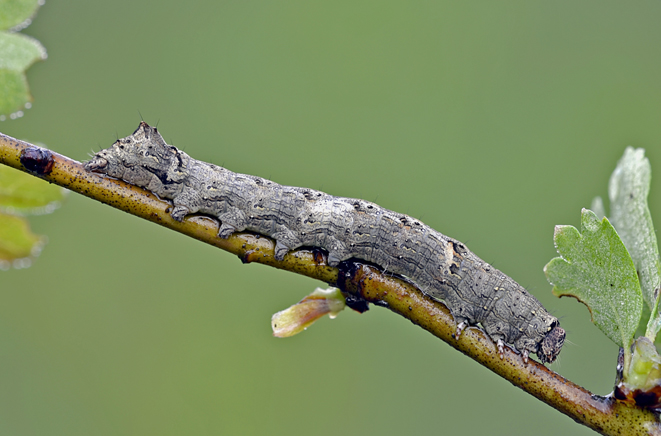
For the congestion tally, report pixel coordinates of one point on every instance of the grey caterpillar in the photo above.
(440, 266)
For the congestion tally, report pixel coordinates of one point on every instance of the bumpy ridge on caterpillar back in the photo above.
(441, 267)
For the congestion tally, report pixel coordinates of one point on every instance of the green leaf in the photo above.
(23, 194)
(17, 242)
(628, 190)
(14, 93)
(18, 52)
(17, 13)
(596, 269)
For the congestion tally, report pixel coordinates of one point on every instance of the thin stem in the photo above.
(604, 415)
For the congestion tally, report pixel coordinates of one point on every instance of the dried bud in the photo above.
(298, 317)
(642, 384)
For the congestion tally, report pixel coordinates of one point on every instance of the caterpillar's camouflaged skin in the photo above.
(441, 267)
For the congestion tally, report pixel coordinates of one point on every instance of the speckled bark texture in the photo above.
(441, 267)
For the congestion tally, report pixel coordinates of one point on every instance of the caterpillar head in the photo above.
(549, 348)
(138, 157)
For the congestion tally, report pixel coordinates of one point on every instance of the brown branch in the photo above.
(604, 415)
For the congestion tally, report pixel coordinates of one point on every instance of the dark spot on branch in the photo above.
(37, 160)
(356, 303)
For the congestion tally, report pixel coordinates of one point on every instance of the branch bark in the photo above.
(604, 415)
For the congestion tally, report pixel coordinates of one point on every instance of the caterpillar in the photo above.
(441, 267)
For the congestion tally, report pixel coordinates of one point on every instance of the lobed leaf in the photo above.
(596, 268)
(23, 194)
(18, 52)
(17, 242)
(628, 190)
(14, 92)
(17, 14)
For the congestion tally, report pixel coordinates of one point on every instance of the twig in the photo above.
(604, 415)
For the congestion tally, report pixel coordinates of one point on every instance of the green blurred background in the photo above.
(490, 121)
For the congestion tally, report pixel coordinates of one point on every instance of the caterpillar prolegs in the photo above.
(440, 266)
